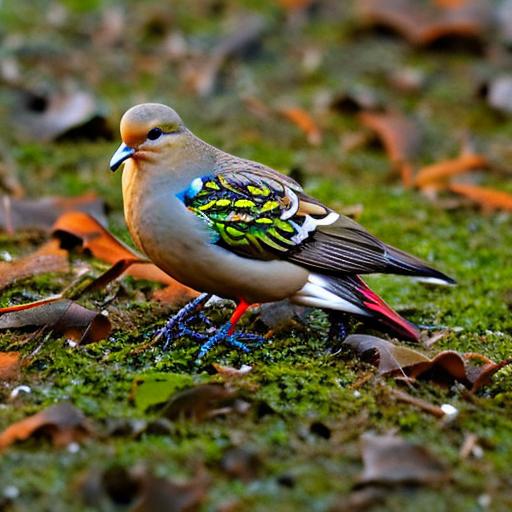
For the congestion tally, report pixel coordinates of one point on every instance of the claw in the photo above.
(237, 340)
(338, 330)
(176, 326)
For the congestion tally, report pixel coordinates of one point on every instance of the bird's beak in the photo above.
(123, 153)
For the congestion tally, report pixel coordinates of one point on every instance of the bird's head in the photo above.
(147, 131)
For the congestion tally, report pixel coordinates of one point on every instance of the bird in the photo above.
(240, 230)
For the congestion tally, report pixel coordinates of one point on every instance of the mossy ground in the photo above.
(294, 374)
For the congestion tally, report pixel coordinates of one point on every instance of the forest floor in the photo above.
(292, 439)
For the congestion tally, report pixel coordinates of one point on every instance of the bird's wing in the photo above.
(259, 215)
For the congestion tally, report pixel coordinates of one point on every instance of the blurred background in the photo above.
(395, 112)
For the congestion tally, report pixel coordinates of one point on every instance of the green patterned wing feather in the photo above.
(249, 215)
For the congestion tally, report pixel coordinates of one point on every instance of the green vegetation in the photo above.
(295, 375)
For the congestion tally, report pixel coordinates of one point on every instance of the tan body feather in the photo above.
(178, 242)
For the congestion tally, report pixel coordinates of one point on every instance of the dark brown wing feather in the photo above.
(345, 247)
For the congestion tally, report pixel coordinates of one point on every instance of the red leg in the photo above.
(241, 308)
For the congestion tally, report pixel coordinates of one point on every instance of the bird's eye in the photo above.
(154, 133)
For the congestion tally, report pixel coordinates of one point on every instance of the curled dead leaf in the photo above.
(401, 137)
(92, 236)
(141, 490)
(200, 402)
(47, 117)
(356, 99)
(304, 122)
(487, 198)
(10, 363)
(62, 423)
(444, 368)
(431, 21)
(159, 494)
(438, 175)
(202, 74)
(48, 258)
(41, 214)
(61, 315)
(240, 462)
(391, 460)
(283, 315)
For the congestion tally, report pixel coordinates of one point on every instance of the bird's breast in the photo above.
(179, 242)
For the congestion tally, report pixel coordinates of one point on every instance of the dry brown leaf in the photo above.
(61, 315)
(241, 463)
(62, 423)
(104, 246)
(356, 99)
(159, 494)
(282, 315)
(425, 24)
(40, 214)
(202, 74)
(359, 500)
(304, 122)
(400, 136)
(445, 368)
(140, 489)
(438, 175)
(391, 460)
(387, 356)
(10, 363)
(199, 402)
(487, 198)
(48, 258)
(45, 118)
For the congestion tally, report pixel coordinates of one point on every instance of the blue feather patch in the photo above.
(192, 190)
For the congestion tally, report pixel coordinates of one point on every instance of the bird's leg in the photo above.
(227, 333)
(177, 324)
(338, 329)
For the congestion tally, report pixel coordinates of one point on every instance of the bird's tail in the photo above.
(352, 295)
(400, 262)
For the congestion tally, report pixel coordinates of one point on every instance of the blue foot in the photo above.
(237, 340)
(177, 324)
(338, 330)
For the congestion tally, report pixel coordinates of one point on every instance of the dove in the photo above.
(240, 230)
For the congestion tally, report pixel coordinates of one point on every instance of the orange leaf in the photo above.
(437, 174)
(444, 368)
(9, 365)
(104, 246)
(304, 122)
(400, 137)
(61, 315)
(63, 423)
(426, 23)
(486, 197)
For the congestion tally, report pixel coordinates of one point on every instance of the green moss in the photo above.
(295, 381)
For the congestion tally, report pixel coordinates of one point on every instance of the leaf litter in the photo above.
(61, 423)
(432, 29)
(391, 460)
(444, 368)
